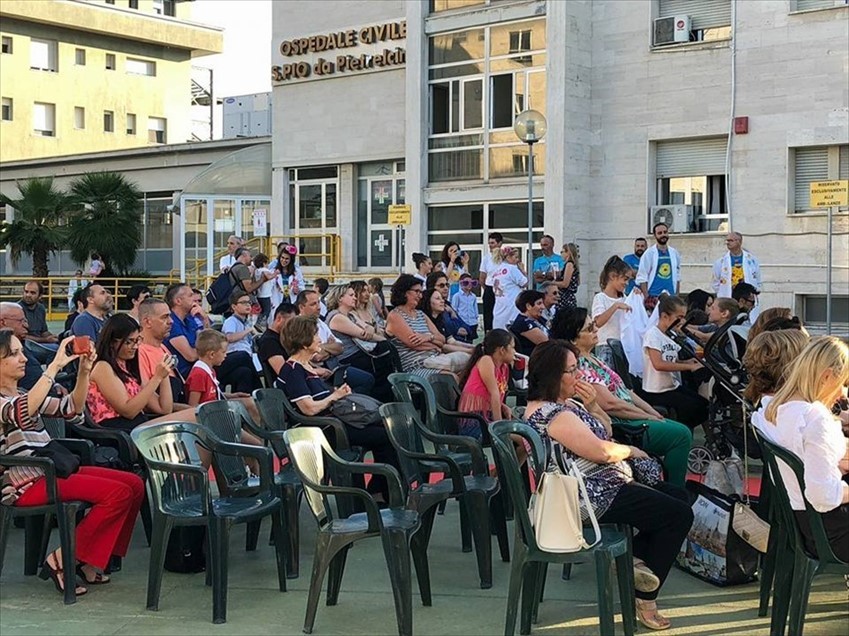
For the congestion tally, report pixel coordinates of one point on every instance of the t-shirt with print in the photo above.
(737, 274)
(202, 380)
(543, 264)
(655, 381)
(663, 278)
(634, 261)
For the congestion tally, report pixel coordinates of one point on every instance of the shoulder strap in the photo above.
(573, 470)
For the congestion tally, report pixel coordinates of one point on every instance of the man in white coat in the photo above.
(660, 268)
(736, 266)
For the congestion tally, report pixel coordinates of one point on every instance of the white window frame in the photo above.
(442, 141)
(835, 167)
(114, 59)
(109, 115)
(153, 126)
(51, 63)
(134, 129)
(7, 45)
(8, 106)
(704, 31)
(79, 118)
(806, 6)
(138, 66)
(79, 57)
(48, 120)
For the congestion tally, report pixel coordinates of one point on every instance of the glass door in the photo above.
(195, 232)
(376, 238)
(315, 208)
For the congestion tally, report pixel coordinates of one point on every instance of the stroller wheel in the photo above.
(698, 460)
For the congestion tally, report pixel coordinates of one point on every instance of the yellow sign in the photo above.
(826, 194)
(400, 214)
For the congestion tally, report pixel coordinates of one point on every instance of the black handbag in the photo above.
(357, 410)
(65, 461)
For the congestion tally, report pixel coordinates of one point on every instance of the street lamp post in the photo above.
(530, 127)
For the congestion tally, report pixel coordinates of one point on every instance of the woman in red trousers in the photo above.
(116, 496)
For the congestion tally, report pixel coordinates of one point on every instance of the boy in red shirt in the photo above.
(202, 383)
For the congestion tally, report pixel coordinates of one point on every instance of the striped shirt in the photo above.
(21, 434)
(412, 360)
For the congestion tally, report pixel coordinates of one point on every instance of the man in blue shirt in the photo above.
(181, 341)
(640, 246)
(549, 265)
(660, 268)
(98, 304)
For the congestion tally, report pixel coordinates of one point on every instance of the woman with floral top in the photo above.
(665, 438)
(622, 481)
(116, 496)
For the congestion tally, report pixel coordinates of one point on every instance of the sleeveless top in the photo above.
(412, 360)
(98, 405)
(349, 347)
(603, 481)
(475, 395)
(567, 295)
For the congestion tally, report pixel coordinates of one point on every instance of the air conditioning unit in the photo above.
(672, 30)
(678, 218)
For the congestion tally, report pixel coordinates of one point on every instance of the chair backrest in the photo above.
(172, 443)
(773, 454)
(267, 372)
(399, 419)
(417, 391)
(394, 357)
(620, 361)
(55, 426)
(446, 391)
(225, 422)
(272, 412)
(306, 446)
(510, 474)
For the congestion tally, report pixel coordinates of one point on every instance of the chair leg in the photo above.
(782, 584)
(67, 521)
(252, 535)
(465, 527)
(479, 518)
(5, 522)
(160, 533)
(803, 575)
(147, 519)
(441, 507)
(517, 574)
(498, 521)
(566, 573)
(35, 529)
(291, 532)
(334, 575)
(397, 550)
(418, 546)
(278, 528)
(220, 544)
(604, 592)
(321, 559)
(624, 578)
(768, 569)
(530, 595)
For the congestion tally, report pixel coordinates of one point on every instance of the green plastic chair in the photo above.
(477, 491)
(226, 419)
(316, 464)
(793, 577)
(530, 561)
(178, 486)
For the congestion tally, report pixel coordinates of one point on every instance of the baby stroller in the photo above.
(728, 419)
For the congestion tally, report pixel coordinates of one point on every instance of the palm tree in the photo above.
(36, 229)
(107, 219)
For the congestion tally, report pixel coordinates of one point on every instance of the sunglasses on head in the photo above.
(469, 283)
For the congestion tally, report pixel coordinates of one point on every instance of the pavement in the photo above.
(31, 606)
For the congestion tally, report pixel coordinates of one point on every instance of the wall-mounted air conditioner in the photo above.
(672, 30)
(678, 218)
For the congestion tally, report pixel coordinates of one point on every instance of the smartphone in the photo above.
(81, 345)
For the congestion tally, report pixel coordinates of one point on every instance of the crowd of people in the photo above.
(320, 343)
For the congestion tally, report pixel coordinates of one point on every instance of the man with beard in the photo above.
(640, 246)
(660, 268)
(98, 305)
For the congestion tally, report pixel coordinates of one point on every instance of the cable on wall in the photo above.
(728, 197)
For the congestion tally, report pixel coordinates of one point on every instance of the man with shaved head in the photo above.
(735, 266)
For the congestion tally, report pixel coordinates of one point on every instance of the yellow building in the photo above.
(93, 75)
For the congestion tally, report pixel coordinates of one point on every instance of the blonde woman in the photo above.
(508, 280)
(570, 278)
(800, 419)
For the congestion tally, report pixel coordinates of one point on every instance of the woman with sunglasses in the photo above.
(465, 303)
(578, 433)
(117, 398)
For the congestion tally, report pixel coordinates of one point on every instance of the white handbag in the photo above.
(555, 512)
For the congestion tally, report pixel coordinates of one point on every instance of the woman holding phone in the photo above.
(117, 398)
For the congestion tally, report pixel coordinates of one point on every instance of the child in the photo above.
(320, 285)
(721, 311)
(237, 370)
(465, 303)
(263, 294)
(375, 286)
(202, 382)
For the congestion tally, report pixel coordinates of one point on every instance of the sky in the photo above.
(245, 65)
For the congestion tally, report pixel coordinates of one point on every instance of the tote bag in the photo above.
(555, 512)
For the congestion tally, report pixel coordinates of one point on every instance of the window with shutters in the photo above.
(816, 163)
(6, 44)
(79, 57)
(156, 130)
(7, 112)
(135, 66)
(709, 19)
(131, 123)
(79, 117)
(108, 121)
(691, 172)
(44, 119)
(110, 62)
(43, 55)
(813, 5)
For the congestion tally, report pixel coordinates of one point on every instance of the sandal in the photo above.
(99, 579)
(55, 572)
(644, 579)
(648, 615)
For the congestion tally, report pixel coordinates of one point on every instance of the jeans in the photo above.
(663, 516)
(488, 306)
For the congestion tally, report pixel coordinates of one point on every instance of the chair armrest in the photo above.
(479, 465)
(119, 440)
(43, 463)
(393, 479)
(184, 469)
(375, 523)
(82, 447)
(260, 453)
(454, 471)
(460, 415)
(338, 426)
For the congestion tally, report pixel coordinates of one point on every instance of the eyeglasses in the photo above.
(590, 327)
(132, 341)
(417, 290)
(573, 371)
(242, 302)
(21, 319)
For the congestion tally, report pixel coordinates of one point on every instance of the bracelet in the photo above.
(49, 377)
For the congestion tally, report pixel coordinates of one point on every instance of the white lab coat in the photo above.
(648, 267)
(721, 281)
